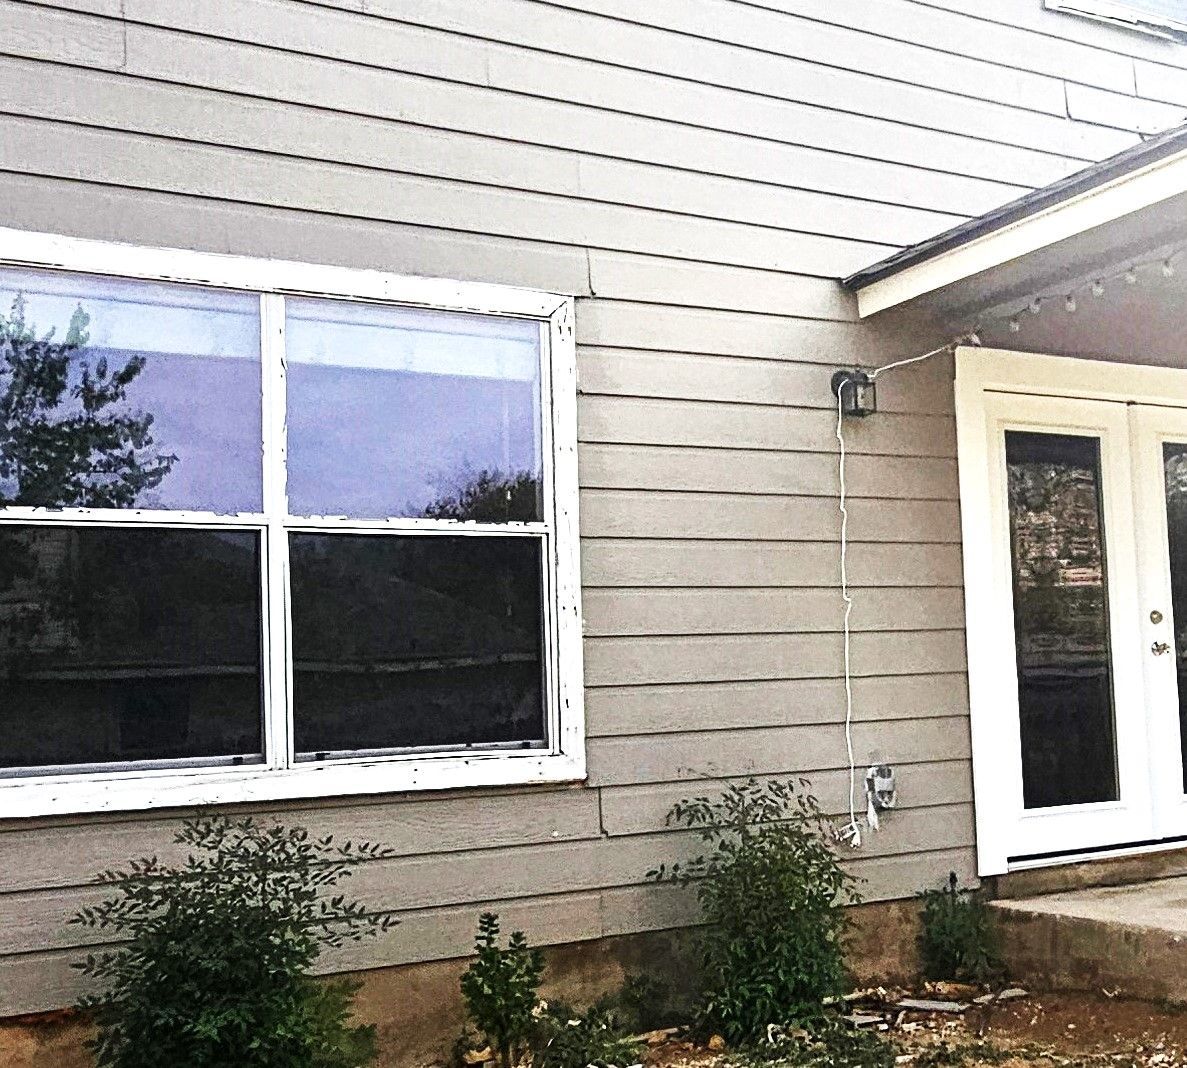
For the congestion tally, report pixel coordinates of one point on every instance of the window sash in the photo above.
(150, 783)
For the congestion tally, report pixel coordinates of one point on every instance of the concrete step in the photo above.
(1130, 939)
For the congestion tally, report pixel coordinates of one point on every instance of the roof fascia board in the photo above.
(1124, 195)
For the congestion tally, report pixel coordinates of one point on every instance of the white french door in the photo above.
(1074, 504)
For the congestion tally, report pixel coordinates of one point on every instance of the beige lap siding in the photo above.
(697, 174)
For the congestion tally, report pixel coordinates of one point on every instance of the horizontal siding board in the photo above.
(650, 562)
(773, 751)
(715, 196)
(1125, 112)
(720, 42)
(115, 102)
(115, 214)
(620, 613)
(1161, 82)
(962, 31)
(927, 389)
(712, 707)
(703, 285)
(629, 420)
(38, 33)
(281, 76)
(633, 324)
(650, 660)
(1030, 145)
(663, 467)
(131, 160)
(750, 517)
(54, 855)
(880, 879)
(946, 785)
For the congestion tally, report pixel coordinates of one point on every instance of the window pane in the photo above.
(122, 644)
(405, 641)
(1061, 619)
(1174, 457)
(400, 412)
(121, 394)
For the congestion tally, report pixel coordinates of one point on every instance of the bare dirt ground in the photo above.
(1047, 1030)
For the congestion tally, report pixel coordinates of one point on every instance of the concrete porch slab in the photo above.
(1131, 939)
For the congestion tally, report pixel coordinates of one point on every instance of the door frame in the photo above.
(981, 374)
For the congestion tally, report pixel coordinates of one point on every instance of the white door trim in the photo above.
(982, 377)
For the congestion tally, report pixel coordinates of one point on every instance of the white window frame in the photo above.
(280, 776)
(1129, 16)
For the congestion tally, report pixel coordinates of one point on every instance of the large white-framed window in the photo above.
(274, 530)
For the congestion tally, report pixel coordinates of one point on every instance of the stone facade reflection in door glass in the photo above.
(1174, 462)
(1061, 620)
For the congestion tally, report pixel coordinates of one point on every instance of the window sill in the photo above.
(131, 792)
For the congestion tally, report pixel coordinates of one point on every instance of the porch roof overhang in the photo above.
(1129, 205)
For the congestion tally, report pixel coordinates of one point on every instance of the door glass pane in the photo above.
(121, 644)
(405, 642)
(1061, 619)
(1174, 458)
(124, 394)
(401, 412)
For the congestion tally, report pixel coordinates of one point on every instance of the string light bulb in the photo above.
(1036, 306)
(1069, 302)
(1015, 325)
(1098, 288)
(1168, 269)
(1131, 277)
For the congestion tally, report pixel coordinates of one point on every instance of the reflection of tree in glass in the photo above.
(1057, 545)
(491, 497)
(61, 444)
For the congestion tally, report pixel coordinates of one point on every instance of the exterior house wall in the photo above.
(697, 174)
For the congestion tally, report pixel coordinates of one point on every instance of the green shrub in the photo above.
(957, 938)
(596, 1038)
(772, 895)
(500, 989)
(214, 972)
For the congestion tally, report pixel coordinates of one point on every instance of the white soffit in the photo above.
(1112, 200)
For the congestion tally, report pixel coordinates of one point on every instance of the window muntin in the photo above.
(126, 394)
(434, 414)
(535, 323)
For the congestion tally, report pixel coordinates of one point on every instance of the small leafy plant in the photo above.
(957, 938)
(828, 1043)
(596, 1038)
(500, 989)
(772, 895)
(215, 969)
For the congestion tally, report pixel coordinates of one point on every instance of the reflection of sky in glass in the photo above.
(201, 380)
(392, 409)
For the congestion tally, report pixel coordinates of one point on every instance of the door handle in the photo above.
(1160, 648)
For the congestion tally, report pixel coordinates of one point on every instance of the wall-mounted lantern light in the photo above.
(856, 391)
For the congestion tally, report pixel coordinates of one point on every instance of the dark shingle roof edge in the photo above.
(1099, 174)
